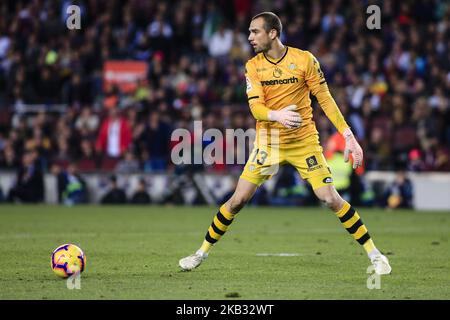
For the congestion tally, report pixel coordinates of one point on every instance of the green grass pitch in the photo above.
(133, 253)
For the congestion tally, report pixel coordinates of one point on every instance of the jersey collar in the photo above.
(284, 55)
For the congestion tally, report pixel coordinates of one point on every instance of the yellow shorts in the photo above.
(306, 156)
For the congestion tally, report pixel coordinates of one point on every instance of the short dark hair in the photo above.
(271, 21)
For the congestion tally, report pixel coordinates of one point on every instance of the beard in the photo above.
(263, 48)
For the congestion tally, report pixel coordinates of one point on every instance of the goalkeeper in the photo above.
(279, 81)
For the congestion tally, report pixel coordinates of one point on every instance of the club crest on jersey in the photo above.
(249, 84)
(292, 66)
(277, 72)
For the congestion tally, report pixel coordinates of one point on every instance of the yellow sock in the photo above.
(217, 229)
(206, 246)
(369, 246)
(352, 222)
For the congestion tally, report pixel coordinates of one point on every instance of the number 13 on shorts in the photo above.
(262, 164)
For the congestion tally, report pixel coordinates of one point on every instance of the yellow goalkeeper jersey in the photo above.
(275, 84)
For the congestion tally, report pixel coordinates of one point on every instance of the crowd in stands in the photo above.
(391, 84)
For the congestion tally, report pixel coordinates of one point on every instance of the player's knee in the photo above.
(332, 201)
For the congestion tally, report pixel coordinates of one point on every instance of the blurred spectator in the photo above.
(29, 185)
(71, 186)
(114, 136)
(128, 164)
(8, 160)
(221, 42)
(77, 91)
(240, 50)
(87, 161)
(184, 179)
(332, 19)
(404, 137)
(400, 193)
(141, 195)
(159, 27)
(87, 119)
(154, 142)
(415, 162)
(115, 195)
(160, 32)
(48, 86)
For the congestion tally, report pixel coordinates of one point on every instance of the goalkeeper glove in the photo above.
(352, 146)
(286, 116)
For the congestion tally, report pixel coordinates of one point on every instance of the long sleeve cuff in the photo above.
(260, 112)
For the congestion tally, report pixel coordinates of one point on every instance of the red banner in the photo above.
(124, 74)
